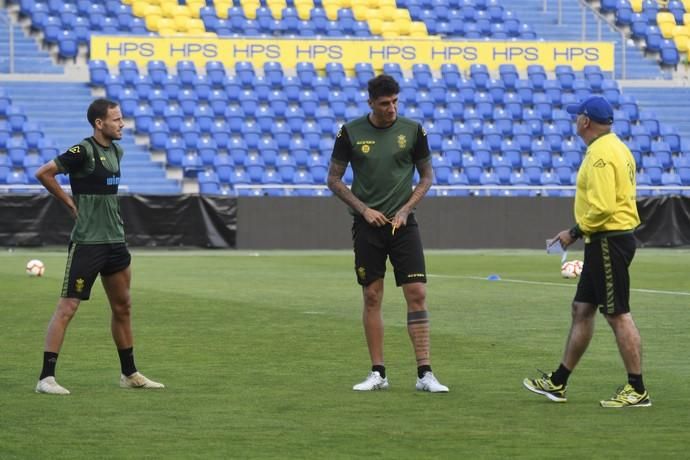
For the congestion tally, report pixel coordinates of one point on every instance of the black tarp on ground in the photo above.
(665, 221)
(182, 220)
(212, 222)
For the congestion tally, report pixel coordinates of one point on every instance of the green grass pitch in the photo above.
(259, 353)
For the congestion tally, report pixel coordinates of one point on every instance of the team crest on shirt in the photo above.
(402, 141)
(599, 163)
(366, 149)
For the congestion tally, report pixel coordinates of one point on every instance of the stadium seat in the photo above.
(33, 133)
(17, 150)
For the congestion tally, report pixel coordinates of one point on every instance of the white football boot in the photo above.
(138, 380)
(374, 381)
(431, 384)
(49, 386)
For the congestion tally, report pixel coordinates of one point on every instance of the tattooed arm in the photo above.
(426, 178)
(335, 183)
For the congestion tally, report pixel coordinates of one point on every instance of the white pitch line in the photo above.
(546, 283)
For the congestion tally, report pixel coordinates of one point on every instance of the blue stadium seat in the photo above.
(662, 152)
(220, 133)
(611, 92)
(294, 117)
(473, 169)
(17, 177)
(224, 167)
(286, 167)
(652, 168)
(335, 73)
(532, 168)
(563, 169)
(669, 54)
(15, 117)
(17, 150)
(364, 72)
(245, 72)
(536, 75)
(565, 76)
(208, 183)
(215, 71)
(33, 133)
(308, 102)
(206, 148)
(188, 101)
(47, 149)
(158, 134)
(480, 75)
(251, 133)
(650, 121)
(653, 39)
(238, 150)
(282, 134)
(318, 168)
(174, 151)
(299, 150)
(191, 164)
(254, 166)
(98, 72)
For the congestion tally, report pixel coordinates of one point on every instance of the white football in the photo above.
(571, 269)
(35, 267)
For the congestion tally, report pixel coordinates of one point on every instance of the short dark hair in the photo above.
(382, 85)
(99, 109)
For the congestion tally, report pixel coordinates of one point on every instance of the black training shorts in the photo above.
(372, 245)
(605, 281)
(86, 261)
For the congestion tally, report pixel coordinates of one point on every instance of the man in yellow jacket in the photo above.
(605, 216)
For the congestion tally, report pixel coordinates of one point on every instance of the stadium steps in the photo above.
(60, 108)
(547, 28)
(670, 106)
(28, 58)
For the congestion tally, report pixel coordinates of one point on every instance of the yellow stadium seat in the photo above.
(151, 21)
(373, 13)
(686, 17)
(359, 3)
(636, 5)
(686, 4)
(166, 24)
(418, 29)
(682, 43)
(182, 23)
(360, 13)
(389, 30)
(402, 14)
(194, 8)
(277, 11)
(303, 12)
(332, 11)
(666, 29)
(166, 32)
(222, 8)
(375, 26)
(681, 30)
(278, 5)
(196, 26)
(403, 26)
(139, 8)
(388, 13)
(249, 9)
(128, 2)
(385, 3)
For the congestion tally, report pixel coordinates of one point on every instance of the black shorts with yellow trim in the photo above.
(86, 261)
(605, 280)
(374, 245)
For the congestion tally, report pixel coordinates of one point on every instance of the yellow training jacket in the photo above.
(605, 196)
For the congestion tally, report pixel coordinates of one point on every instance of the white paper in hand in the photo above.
(554, 247)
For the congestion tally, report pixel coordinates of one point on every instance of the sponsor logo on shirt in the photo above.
(112, 180)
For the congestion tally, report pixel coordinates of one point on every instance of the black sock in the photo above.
(421, 370)
(380, 369)
(127, 361)
(49, 362)
(560, 377)
(635, 380)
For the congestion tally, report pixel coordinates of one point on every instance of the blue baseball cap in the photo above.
(595, 108)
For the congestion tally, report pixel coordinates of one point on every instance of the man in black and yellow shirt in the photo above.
(384, 150)
(97, 243)
(605, 216)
